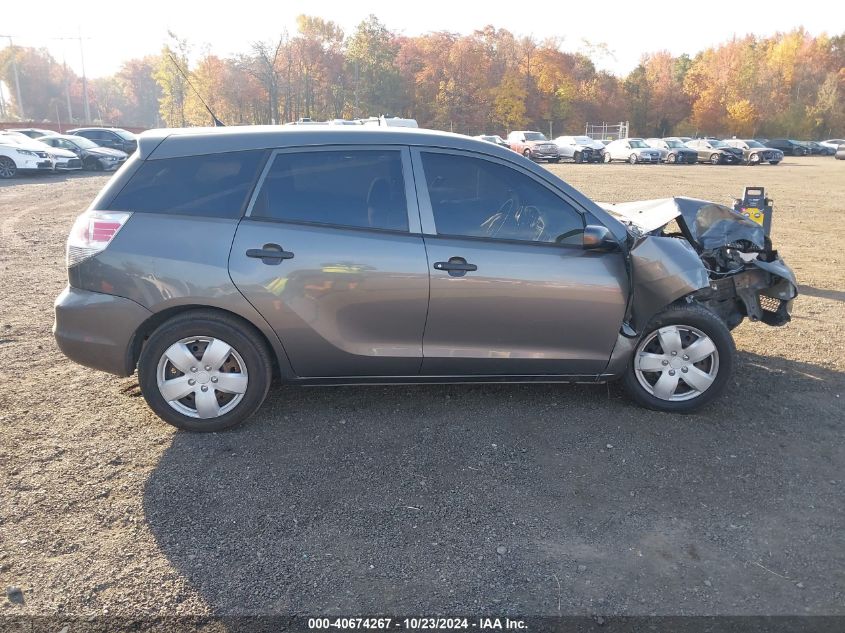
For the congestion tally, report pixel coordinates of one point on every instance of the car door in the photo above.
(330, 253)
(512, 289)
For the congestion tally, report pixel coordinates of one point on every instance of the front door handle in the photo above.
(456, 266)
(270, 254)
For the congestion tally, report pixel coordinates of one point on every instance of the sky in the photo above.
(115, 31)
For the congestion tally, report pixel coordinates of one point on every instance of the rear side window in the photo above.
(360, 188)
(214, 185)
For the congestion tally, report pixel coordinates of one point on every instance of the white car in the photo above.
(581, 149)
(64, 160)
(833, 143)
(17, 156)
(633, 150)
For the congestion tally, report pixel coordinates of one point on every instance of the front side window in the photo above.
(212, 185)
(473, 197)
(357, 188)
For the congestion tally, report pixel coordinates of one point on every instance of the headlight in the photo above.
(111, 158)
(25, 152)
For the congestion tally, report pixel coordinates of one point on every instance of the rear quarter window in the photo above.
(212, 185)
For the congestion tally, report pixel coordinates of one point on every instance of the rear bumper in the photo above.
(96, 330)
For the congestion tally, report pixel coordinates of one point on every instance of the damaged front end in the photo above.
(738, 274)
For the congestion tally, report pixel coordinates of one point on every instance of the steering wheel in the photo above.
(507, 211)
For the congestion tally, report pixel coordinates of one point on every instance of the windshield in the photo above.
(535, 136)
(637, 143)
(718, 144)
(124, 134)
(753, 144)
(583, 140)
(81, 141)
(674, 144)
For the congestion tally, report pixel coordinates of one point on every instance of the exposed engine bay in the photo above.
(747, 277)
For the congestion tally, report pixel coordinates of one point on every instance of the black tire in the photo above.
(527, 154)
(8, 168)
(207, 323)
(578, 157)
(715, 159)
(554, 160)
(697, 316)
(632, 159)
(672, 158)
(607, 159)
(754, 159)
(774, 162)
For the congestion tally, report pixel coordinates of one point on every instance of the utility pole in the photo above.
(17, 80)
(86, 106)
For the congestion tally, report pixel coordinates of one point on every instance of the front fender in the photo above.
(663, 269)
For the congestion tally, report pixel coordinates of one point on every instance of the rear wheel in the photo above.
(204, 371)
(8, 168)
(683, 361)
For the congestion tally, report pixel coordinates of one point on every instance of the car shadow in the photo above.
(510, 499)
(835, 295)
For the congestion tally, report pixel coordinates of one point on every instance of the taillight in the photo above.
(92, 232)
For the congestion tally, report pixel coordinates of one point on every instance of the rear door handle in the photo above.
(456, 266)
(270, 254)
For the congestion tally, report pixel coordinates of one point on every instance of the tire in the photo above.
(632, 159)
(8, 168)
(578, 157)
(714, 159)
(672, 158)
(754, 159)
(247, 363)
(774, 162)
(554, 160)
(527, 154)
(607, 158)
(711, 373)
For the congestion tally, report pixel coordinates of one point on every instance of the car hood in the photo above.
(106, 151)
(61, 153)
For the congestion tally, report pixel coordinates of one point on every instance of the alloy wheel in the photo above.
(202, 377)
(676, 363)
(8, 169)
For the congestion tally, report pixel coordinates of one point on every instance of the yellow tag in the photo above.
(754, 214)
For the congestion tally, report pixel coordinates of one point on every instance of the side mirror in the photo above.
(598, 237)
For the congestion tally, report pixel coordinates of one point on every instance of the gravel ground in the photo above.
(526, 499)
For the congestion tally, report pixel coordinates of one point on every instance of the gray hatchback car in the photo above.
(218, 259)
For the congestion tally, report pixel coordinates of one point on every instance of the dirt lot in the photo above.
(420, 500)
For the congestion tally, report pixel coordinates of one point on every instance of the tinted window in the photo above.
(362, 188)
(479, 198)
(214, 185)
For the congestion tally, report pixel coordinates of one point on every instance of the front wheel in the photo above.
(683, 361)
(607, 157)
(632, 159)
(754, 159)
(527, 154)
(204, 371)
(8, 168)
(671, 158)
(714, 159)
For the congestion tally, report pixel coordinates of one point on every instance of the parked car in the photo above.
(581, 149)
(17, 156)
(346, 256)
(673, 150)
(682, 139)
(818, 149)
(833, 143)
(534, 145)
(754, 153)
(633, 150)
(493, 138)
(31, 132)
(112, 137)
(788, 147)
(715, 152)
(63, 160)
(93, 156)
